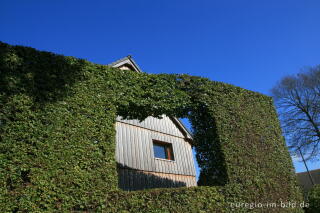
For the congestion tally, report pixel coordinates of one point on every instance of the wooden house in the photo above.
(154, 153)
(308, 180)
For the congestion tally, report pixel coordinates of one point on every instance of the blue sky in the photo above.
(248, 43)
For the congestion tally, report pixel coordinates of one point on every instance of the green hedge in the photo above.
(57, 144)
(314, 199)
(195, 199)
(57, 134)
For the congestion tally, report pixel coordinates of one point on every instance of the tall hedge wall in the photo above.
(57, 144)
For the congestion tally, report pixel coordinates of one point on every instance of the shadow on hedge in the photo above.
(42, 75)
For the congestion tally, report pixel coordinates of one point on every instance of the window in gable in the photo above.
(163, 150)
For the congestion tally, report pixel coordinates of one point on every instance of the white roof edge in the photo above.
(188, 134)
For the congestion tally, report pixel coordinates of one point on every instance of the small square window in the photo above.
(163, 150)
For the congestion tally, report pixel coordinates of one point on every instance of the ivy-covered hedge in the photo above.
(57, 132)
(195, 199)
(57, 144)
(314, 199)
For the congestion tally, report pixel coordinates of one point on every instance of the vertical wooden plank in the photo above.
(132, 148)
(171, 127)
(154, 124)
(139, 150)
(142, 160)
(175, 165)
(187, 157)
(145, 161)
(165, 125)
(119, 142)
(161, 165)
(128, 147)
(168, 127)
(178, 157)
(136, 150)
(118, 133)
(124, 144)
(188, 160)
(182, 166)
(147, 137)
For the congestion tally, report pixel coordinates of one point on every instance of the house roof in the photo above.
(129, 63)
(128, 60)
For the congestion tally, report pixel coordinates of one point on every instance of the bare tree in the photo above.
(297, 99)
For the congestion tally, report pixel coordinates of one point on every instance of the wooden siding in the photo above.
(304, 179)
(135, 150)
(130, 180)
(164, 125)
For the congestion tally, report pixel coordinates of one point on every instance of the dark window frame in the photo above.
(167, 147)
